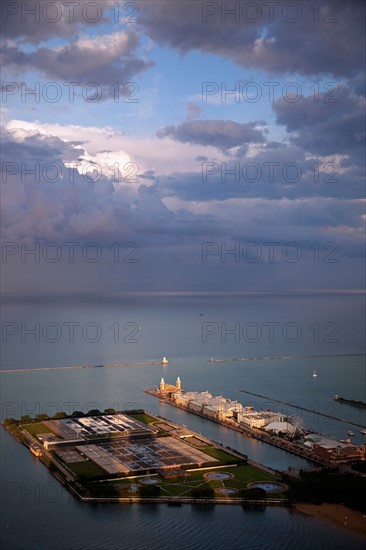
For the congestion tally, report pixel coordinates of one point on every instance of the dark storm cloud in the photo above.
(333, 125)
(189, 186)
(35, 21)
(72, 206)
(101, 59)
(223, 134)
(38, 148)
(77, 208)
(329, 42)
(277, 171)
(170, 240)
(48, 204)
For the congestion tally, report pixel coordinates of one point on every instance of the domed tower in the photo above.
(178, 384)
(162, 385)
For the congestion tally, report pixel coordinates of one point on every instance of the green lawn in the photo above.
(246, 474)
(219, 454)
(196, 475)
(146, 418)
(37, 428)
(179, 487)
(243, 475)
(106, 490)
(86, 468)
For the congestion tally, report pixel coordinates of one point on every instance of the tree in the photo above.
(110, 411)
(41, 417)
(256, 493)
(359, 466)
(149, 490)
(94, 412)
(9, 421)
(59, 415)
(77, 414)
(204, 491)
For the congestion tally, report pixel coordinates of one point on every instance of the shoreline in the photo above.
(338, 514)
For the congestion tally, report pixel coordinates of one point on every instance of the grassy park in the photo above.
(220, 455)
(241, 476)
(37, 428)
(187, 481)
(143, 417)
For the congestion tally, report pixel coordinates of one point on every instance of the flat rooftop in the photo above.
(73, 428)
(124, 456)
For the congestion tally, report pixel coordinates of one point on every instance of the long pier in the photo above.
(273, 357)
(352, 402)
(247, 431)
(84, 367)
(302, 408)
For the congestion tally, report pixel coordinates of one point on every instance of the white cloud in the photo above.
(150, 153)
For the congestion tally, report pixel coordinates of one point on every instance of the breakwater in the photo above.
(84, 367)
(273, 357)
(301, 408)
(352, 402)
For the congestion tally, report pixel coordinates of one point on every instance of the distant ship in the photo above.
(164, 361)
(314, 374)
(363, 431)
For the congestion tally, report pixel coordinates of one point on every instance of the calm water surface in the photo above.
(38, 514)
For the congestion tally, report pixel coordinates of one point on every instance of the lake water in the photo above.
(37, 513)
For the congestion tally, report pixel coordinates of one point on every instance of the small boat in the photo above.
(363, 431)
(314, 374)
(350, 433)
(164, 361)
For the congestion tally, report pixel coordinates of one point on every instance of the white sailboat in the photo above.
(314, 374)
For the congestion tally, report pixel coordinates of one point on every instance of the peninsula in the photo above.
(268, 426)
(135, 456)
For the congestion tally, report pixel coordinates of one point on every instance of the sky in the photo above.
(182, 146)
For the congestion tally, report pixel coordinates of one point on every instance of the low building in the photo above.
(259, 419)
(210, 411)
(195, 406)
(333, 450)
(337, 454)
